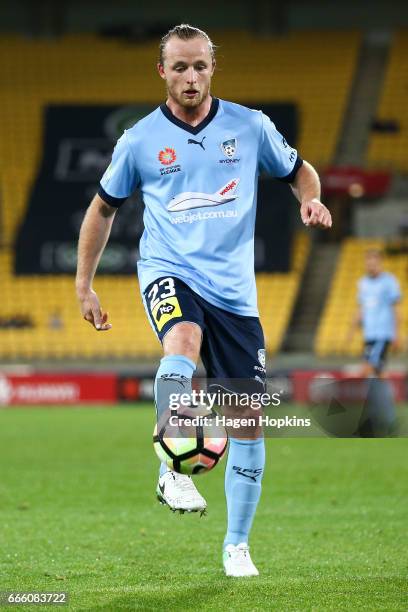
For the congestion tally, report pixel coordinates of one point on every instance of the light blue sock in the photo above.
(243, 476)
(173, 376)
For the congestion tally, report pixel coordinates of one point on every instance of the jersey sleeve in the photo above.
(276, 156)
(121, 176)
(394, 290)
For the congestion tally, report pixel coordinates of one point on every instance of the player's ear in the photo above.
(213, 66)
(160, 70)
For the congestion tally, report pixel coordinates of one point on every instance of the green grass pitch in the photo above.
(78, 514)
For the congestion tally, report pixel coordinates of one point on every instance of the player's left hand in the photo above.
(315, 214)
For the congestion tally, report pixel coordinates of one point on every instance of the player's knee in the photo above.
(183, 339)
(245, 421)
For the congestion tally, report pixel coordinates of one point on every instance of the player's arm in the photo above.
(306, 188)
(118, 182)
(281, 161)
(398, 341)
(94, 234)
(395, 296)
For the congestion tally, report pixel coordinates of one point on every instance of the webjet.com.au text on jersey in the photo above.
(203, 216)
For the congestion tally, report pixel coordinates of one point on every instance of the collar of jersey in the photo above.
(192, 129)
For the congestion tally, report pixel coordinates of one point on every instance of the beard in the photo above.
(188, 103)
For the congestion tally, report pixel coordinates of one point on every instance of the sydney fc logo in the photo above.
(229, 147)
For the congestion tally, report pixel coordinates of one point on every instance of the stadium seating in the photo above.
(131, 337)
(87, 69)
(290, 69)
(341, 304)
(389, 150)
(277, 294)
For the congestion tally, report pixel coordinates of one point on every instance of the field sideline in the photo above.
(78, 514)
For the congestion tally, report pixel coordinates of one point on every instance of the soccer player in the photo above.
(377, 314)
(196, 160)
(378, 297)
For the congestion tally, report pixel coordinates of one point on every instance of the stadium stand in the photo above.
(131, 336)
(88, 69)
(389, 148)
(341, 303)
(277, 294)
(296, 71)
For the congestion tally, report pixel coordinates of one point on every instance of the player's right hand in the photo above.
(92, 312)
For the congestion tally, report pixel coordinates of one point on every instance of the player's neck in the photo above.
(192, 116)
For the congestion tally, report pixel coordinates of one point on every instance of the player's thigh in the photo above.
(233, 352)
(233, 346)
(175, 315)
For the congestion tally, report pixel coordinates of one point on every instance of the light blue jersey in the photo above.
(377, 296)
(199, 186)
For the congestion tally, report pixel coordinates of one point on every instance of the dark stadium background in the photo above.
(334, 78)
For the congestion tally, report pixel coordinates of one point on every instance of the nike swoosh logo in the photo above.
(195, 199)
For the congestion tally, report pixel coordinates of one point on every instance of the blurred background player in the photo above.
(378, 316)
(196, 270)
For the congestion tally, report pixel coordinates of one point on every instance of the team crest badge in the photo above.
(229, 147)
(262, 357)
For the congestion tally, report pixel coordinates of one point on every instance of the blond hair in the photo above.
(184, 31)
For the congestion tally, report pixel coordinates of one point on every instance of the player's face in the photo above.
(187, 70)
(373, 264)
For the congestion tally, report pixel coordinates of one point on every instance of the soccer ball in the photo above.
(230, 150)
(190, 441)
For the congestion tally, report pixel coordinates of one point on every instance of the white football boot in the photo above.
(237, 561)
(179, 493)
